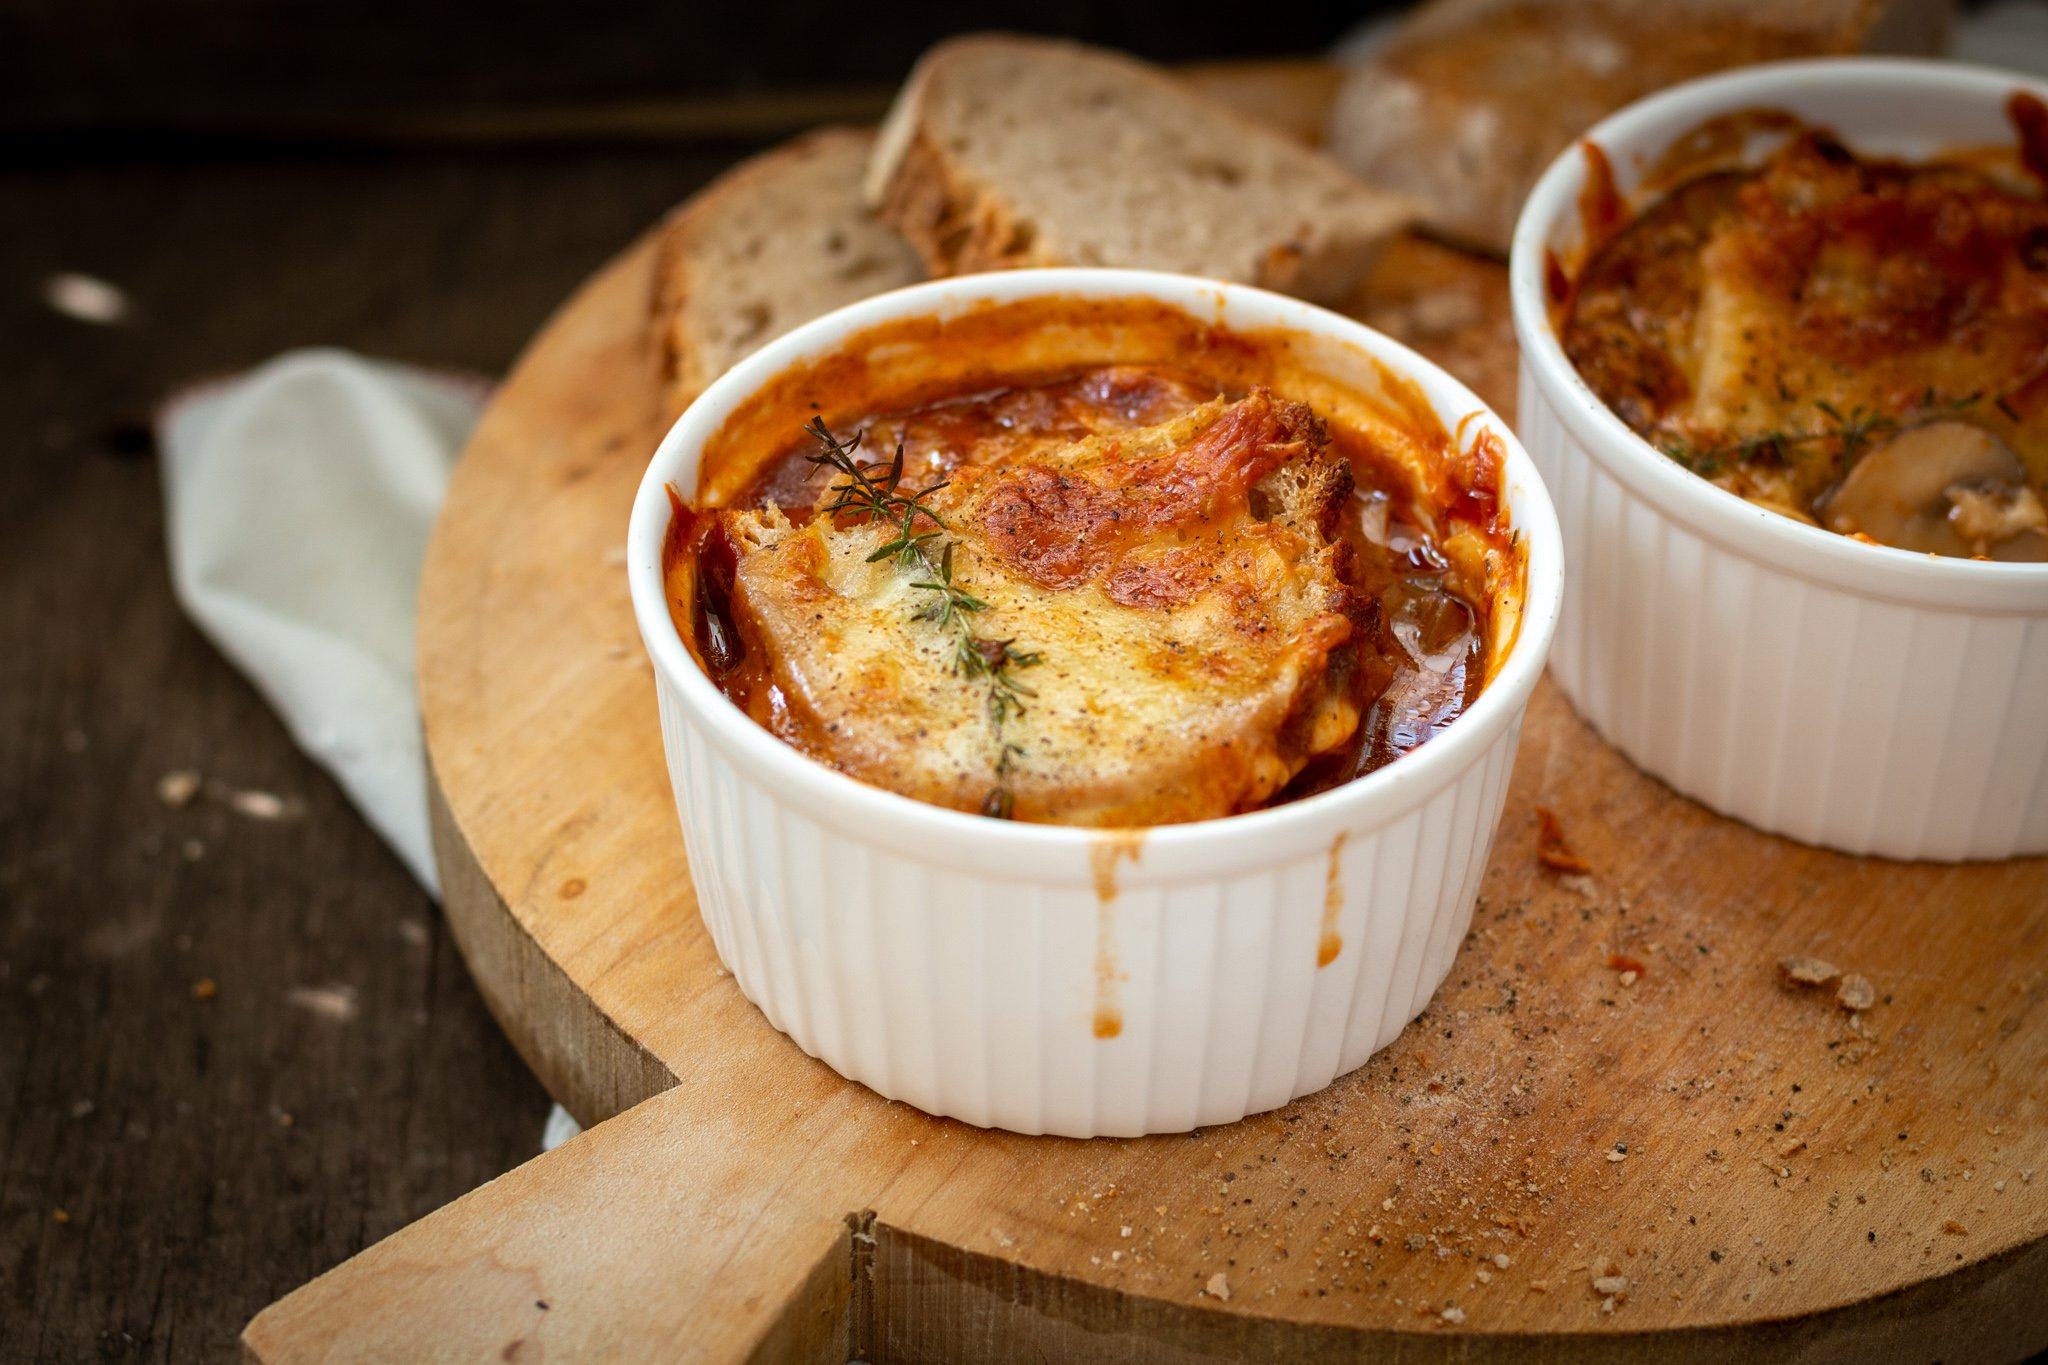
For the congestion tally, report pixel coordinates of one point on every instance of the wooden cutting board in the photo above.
(1614, 1081)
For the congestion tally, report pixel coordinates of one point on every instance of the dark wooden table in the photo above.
(233, 1051)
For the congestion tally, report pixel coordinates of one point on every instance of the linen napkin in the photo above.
(298, 501)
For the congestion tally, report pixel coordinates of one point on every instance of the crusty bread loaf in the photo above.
(1004, 151)
(1452, 306)
(1471, 99)
(777, 241)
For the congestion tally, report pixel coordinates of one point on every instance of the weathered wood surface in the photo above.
(1614, 1081)
(156, 1123)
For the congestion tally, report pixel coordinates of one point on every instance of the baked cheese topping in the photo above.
(1119, 598)
(1861, 344)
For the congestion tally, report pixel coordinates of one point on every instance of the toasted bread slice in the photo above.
(1452, 306)
(1472, 99)
(1179, 585)
(1004, 151)
(779, 240)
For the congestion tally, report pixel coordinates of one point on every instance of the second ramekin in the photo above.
(961, 964)
(1859, 697)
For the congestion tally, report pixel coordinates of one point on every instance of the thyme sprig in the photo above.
(873, 492)
(1855, 429)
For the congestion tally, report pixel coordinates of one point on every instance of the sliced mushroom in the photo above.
(1946, 488)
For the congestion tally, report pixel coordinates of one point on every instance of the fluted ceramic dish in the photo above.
(1860, 697)
(964, 964)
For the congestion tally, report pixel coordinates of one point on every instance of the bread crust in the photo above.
(955, 225)
(685, 327)
(958, 223)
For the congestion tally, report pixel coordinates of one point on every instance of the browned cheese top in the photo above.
(1858, 343)
(1107, 594)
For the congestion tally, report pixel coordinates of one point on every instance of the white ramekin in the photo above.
(956, 962)
(1864, 698)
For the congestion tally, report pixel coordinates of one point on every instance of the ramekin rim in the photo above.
(1729, 519)
(1377, 798)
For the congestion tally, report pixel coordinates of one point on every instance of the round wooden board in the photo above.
(1767, 1171)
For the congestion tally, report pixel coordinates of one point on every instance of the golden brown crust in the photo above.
(956, 227)
(810, 244)
(1779, 329)
(1178, 590)
(946, 175)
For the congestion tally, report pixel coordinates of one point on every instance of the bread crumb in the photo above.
(60, 1216)
(1953, 1228)
(257, 805)
(1551, 849)
(1453, 1315)
(205, 989)
(1808, 971)
(1501, 1261)
(1218, 1287)
(337, 1002)
(1855, 994)
(85, 298)
(1610, 1285)
(176, 789)
(1791, 1146)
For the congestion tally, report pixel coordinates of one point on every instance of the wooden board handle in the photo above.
(643, 1235)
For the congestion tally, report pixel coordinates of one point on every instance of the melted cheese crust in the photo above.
(1818, 294)
(1179, 582)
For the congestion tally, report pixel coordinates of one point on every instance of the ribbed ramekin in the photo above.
(1859, 697)
(963, 964)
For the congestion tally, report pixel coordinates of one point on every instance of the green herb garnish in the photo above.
(874, 492)
(1855, 430)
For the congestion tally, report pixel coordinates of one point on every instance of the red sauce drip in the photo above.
(2030, 117)
(1475, 480)
(1602, 211)
(1557, 285)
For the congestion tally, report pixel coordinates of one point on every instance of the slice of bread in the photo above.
(1471, 99)
(1452, 306)
(777, 241)
(1004, 151)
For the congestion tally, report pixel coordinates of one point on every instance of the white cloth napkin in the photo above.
(298, 500)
